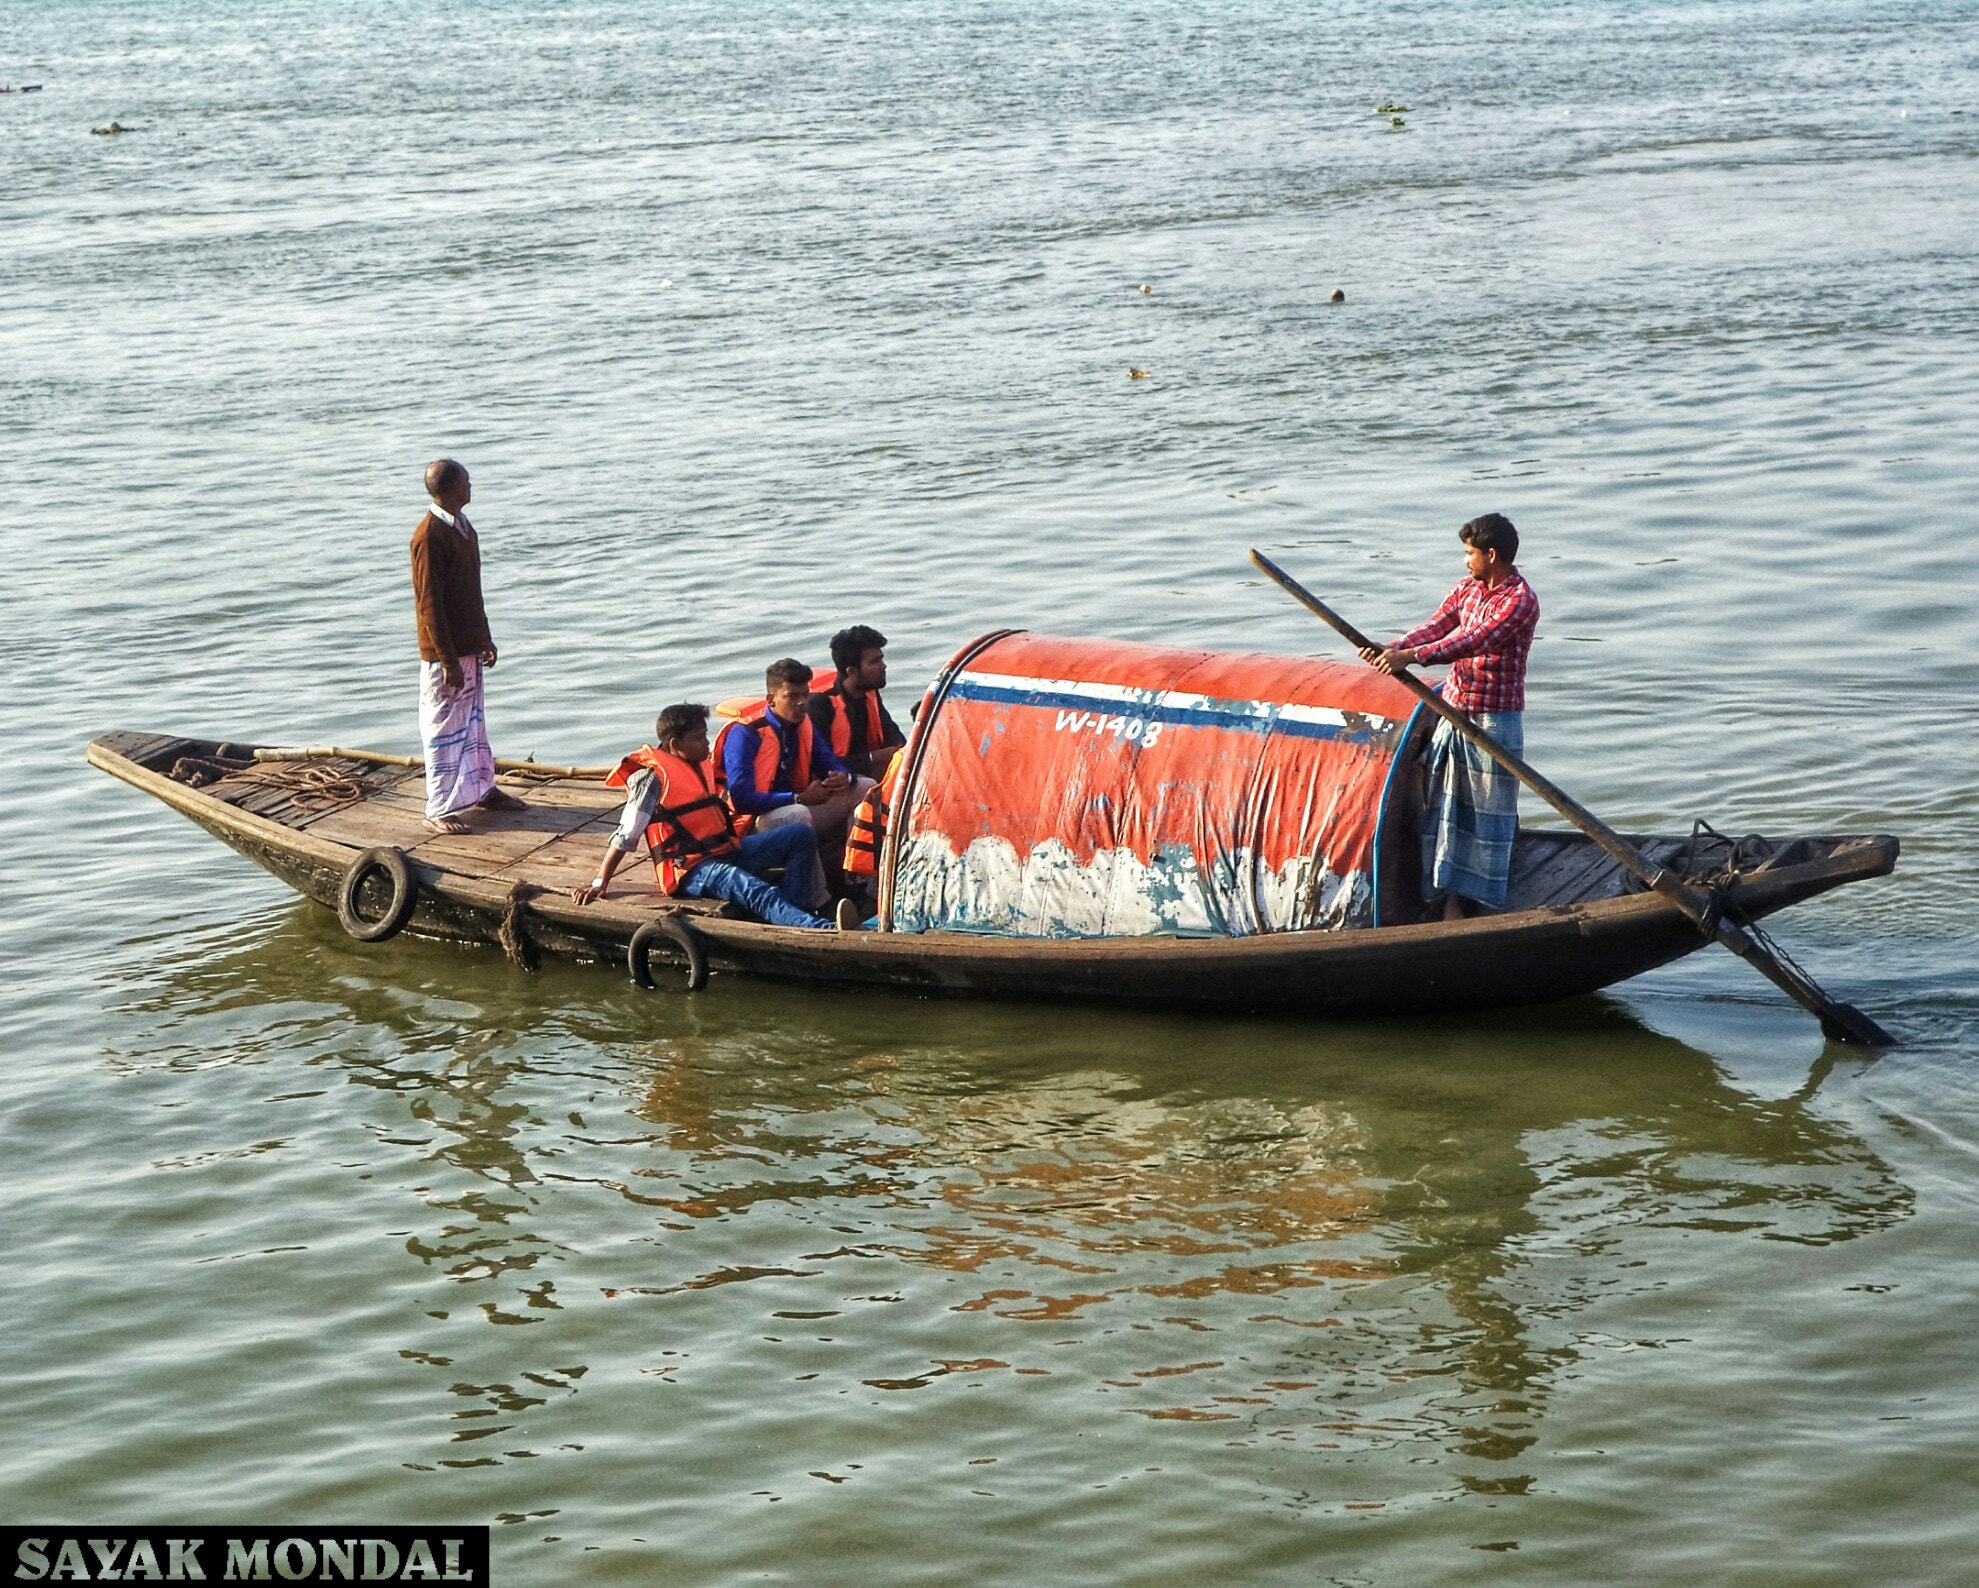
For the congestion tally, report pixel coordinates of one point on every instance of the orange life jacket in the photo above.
(841, 722)
(866, 832)
(691, 822)
(769, 752)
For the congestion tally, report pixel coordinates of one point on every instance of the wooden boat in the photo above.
(1574, 922)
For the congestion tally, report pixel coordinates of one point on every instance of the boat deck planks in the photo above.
(145, 748)
(396, 816)
(554, 845)
(252, 792)
(1580, 870)
(1551, 869)
(572, 860)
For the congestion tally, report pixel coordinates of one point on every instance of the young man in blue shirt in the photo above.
(776, 768)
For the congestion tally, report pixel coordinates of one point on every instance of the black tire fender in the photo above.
(683, 937)
(398, 910)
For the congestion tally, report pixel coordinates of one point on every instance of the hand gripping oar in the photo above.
(1839, 1021)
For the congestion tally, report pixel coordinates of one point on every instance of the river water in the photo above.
(754, 320)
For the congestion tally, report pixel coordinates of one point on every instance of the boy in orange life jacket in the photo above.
(671, 804)
(850, 716)
(776, 769)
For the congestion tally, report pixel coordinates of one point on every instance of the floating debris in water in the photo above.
(666, 283)
(1339, 295)
(1391, 110)
(25, 88)
(1145, 287)
(1395, 121)
(112, 130)
(1136, 374)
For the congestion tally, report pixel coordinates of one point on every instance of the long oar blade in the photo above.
(1845, 1023)
(1839, 1021)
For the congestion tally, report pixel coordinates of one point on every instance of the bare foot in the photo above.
(450, 825)
(1453, 907)
(500, 800)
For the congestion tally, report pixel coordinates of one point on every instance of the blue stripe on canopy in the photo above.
(1265, 719)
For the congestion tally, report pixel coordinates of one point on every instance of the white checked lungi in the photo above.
(460, 765)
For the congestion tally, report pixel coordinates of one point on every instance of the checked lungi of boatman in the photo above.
(1484, 630)
(455, 650)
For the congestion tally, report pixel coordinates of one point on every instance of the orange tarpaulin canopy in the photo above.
(1084, 788)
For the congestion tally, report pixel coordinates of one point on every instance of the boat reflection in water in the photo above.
(1376, 1237)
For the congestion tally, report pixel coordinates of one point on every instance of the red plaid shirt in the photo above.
(1485, 634)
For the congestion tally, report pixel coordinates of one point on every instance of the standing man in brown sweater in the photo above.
(454, 650)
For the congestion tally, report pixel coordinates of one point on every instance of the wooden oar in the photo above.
(1839, 1021)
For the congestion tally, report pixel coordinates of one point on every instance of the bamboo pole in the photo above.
(381, 758)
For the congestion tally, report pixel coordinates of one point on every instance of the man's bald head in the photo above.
(446, 483)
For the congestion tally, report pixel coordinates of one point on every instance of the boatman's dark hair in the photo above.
(849, 646)
(786, 671)
(677, 722)
(441, 474)
(1492, 532)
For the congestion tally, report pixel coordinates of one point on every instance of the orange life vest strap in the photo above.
(841, 722)
(865, 834)
(677, 840)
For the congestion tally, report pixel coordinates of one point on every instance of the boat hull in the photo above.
(1524, 956)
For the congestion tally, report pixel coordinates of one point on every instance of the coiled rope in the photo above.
(310, 789)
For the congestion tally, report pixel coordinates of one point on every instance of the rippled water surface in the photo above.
(754, 320)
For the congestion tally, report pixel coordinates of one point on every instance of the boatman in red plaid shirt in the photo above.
(1484, 630)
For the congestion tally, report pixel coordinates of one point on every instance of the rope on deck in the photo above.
(313, 788)
(1741, 854)
(514, 940)
(1754, 851)
(310, 789)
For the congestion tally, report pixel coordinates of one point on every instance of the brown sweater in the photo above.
(446, 592)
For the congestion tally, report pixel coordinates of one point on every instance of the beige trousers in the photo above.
(826, 820)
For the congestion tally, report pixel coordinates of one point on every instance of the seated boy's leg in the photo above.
(717, 879)
(795, 848)
(829, 817)
(792, 814)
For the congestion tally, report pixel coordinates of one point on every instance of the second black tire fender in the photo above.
(676, 931)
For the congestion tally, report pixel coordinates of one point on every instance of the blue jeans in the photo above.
(740, 880)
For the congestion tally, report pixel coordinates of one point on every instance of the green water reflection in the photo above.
(1368, 1237)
